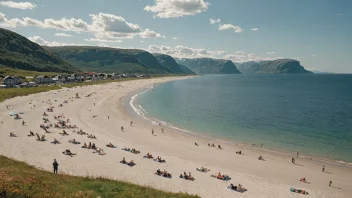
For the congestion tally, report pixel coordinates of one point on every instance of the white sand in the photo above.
(270, 178)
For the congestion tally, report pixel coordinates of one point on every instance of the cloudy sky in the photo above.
(316, 32)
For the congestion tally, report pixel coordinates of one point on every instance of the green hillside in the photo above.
(102, 59)
(279, 66)
(170, 63)
(18, 52)
(209, 66)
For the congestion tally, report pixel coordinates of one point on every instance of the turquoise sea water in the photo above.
(311, 114)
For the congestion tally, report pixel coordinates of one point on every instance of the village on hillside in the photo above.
(30, 81)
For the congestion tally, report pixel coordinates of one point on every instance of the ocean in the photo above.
(310, 114)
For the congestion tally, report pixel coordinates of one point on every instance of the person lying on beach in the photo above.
(68, 152)
(111, 145)
(92, 136)
(135, 151)
(261, 158)
(163, 173)
(304, 180)
(238, 188)
(101, 152)
(64, 133)
(84, 145)
(202, 169)
(43, 138)
(74, 141)
(299, 191)
(30, 134)
(239, 152)
(222, 177)
(12, 134)
(149, 156)
(196, 144)
(55, 141)
(131, 163)
(186, 177)
(158, 159)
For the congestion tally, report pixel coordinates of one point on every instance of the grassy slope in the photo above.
(6, 71)
(22, 180)
(18, 52)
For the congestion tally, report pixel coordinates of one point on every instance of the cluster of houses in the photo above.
(19, 81)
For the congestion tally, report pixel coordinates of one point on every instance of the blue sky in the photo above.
(316, 32)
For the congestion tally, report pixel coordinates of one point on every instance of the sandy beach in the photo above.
(99, 111)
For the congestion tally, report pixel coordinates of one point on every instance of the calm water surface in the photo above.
(311, 114)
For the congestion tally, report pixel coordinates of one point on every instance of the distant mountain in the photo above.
(102, 59)
(209, 66)
(279, 66)
(171, 63)
(315, 71)
(18, 52)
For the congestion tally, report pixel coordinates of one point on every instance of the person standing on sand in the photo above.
(23, 123)
(323, 170)
(293, 161)
(297, 154)
(162, 130)
(108, 117)
(330, 183)
(55, 165)
(152, 131)
(131, 123)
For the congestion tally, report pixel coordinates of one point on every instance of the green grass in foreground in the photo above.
(6, 71)
(13, 92)
(22, 180)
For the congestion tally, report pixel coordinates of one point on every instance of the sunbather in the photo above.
(55, 141)
(30, 134)
(68, 152)
(123, 160)
(239, 152)
(84, 145)
(261, 158)
(149, 156)
(12, 134)
(131, 163)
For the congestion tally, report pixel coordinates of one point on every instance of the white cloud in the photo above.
(254, 29)
(185, 52)
(102, 40)
(214, 21)
(18, 5)
(147, 33)
(2, 17)
(269, 53)
(177, 8)
(112, 23)
(221, 27)
(175, 38)
(339, 14)
(313, 55)
(103, 26)
(63, 34)
(235, 28)
(41, 41)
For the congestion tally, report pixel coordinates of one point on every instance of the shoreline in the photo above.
(129, 101)
(270, 178)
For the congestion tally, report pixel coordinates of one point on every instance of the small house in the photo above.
(43, 80)
(11, 81)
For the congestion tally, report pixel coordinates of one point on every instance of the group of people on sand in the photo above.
(187, 177)
(213, 145)
(238, 188)
(89, 146)
(222, 177)
(131, 163)
(163, 173)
